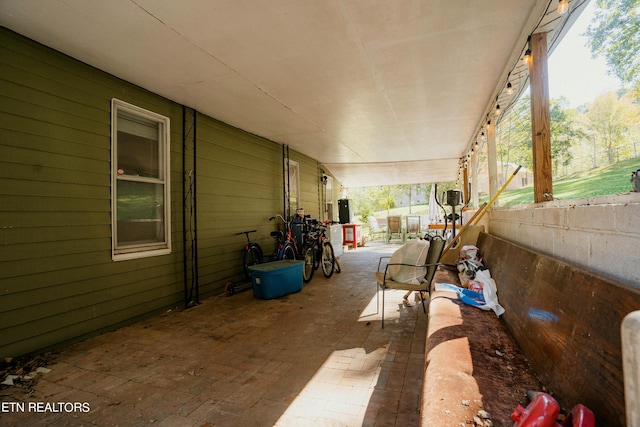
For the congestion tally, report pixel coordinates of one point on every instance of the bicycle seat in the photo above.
(277, 233)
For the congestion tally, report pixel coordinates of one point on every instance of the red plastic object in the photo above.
(541, 412)
(580, 416)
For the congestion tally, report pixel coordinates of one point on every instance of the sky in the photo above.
(572, 72)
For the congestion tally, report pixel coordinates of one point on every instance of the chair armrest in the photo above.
(380, 261)
(413, 265)
(400, 264)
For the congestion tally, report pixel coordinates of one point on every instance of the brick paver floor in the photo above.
(317, 357)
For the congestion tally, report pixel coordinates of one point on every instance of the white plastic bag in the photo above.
(485, 297)
(489, 290)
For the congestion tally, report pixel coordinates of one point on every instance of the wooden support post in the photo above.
(465, 179)
(540, 119)
(474, 197)
(492, 159)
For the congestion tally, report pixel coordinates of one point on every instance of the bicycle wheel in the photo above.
(328, 259)
(288, 252)
(308, 271)
(337, 268)
(317, 255)
(252, 256)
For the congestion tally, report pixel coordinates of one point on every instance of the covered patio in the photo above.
(317, 357)
(293, 103)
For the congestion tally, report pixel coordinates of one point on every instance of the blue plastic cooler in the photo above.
(275, 279)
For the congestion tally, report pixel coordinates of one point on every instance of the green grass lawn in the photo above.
(608, 180)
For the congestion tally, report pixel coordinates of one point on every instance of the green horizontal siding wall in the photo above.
(57, 279)
(58, 282)
(309, 185)
(239, 188)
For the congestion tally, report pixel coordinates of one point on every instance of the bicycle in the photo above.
(327, 246)
(318, 252)
(329, 261)
(285, 246)
(252, 254)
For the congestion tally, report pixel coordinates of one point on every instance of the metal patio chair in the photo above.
(394, 227)
(429, 267)
(413, 226)
(375, 229)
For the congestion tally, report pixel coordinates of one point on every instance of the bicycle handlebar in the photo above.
(278, 216)
(318, 228)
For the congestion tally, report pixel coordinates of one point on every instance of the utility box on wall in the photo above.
(345, 211)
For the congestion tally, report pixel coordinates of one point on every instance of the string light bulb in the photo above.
(509, 88)
(497, 112)
(563, 7)
(527, 54)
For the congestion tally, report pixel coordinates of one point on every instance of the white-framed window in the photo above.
(292, 185)
(140, 198)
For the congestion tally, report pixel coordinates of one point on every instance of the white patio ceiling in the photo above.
(379, 91)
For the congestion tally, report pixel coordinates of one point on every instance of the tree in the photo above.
(370, 199)
(614, 33)
(609, 120)
(514, 136)
(564, 132)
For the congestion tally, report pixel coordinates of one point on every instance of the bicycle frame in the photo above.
(252, 253)
(318, 252)
(284, 241)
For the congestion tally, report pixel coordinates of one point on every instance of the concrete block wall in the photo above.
(601, 235)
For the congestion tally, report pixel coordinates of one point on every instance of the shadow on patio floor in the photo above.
(317, 357)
